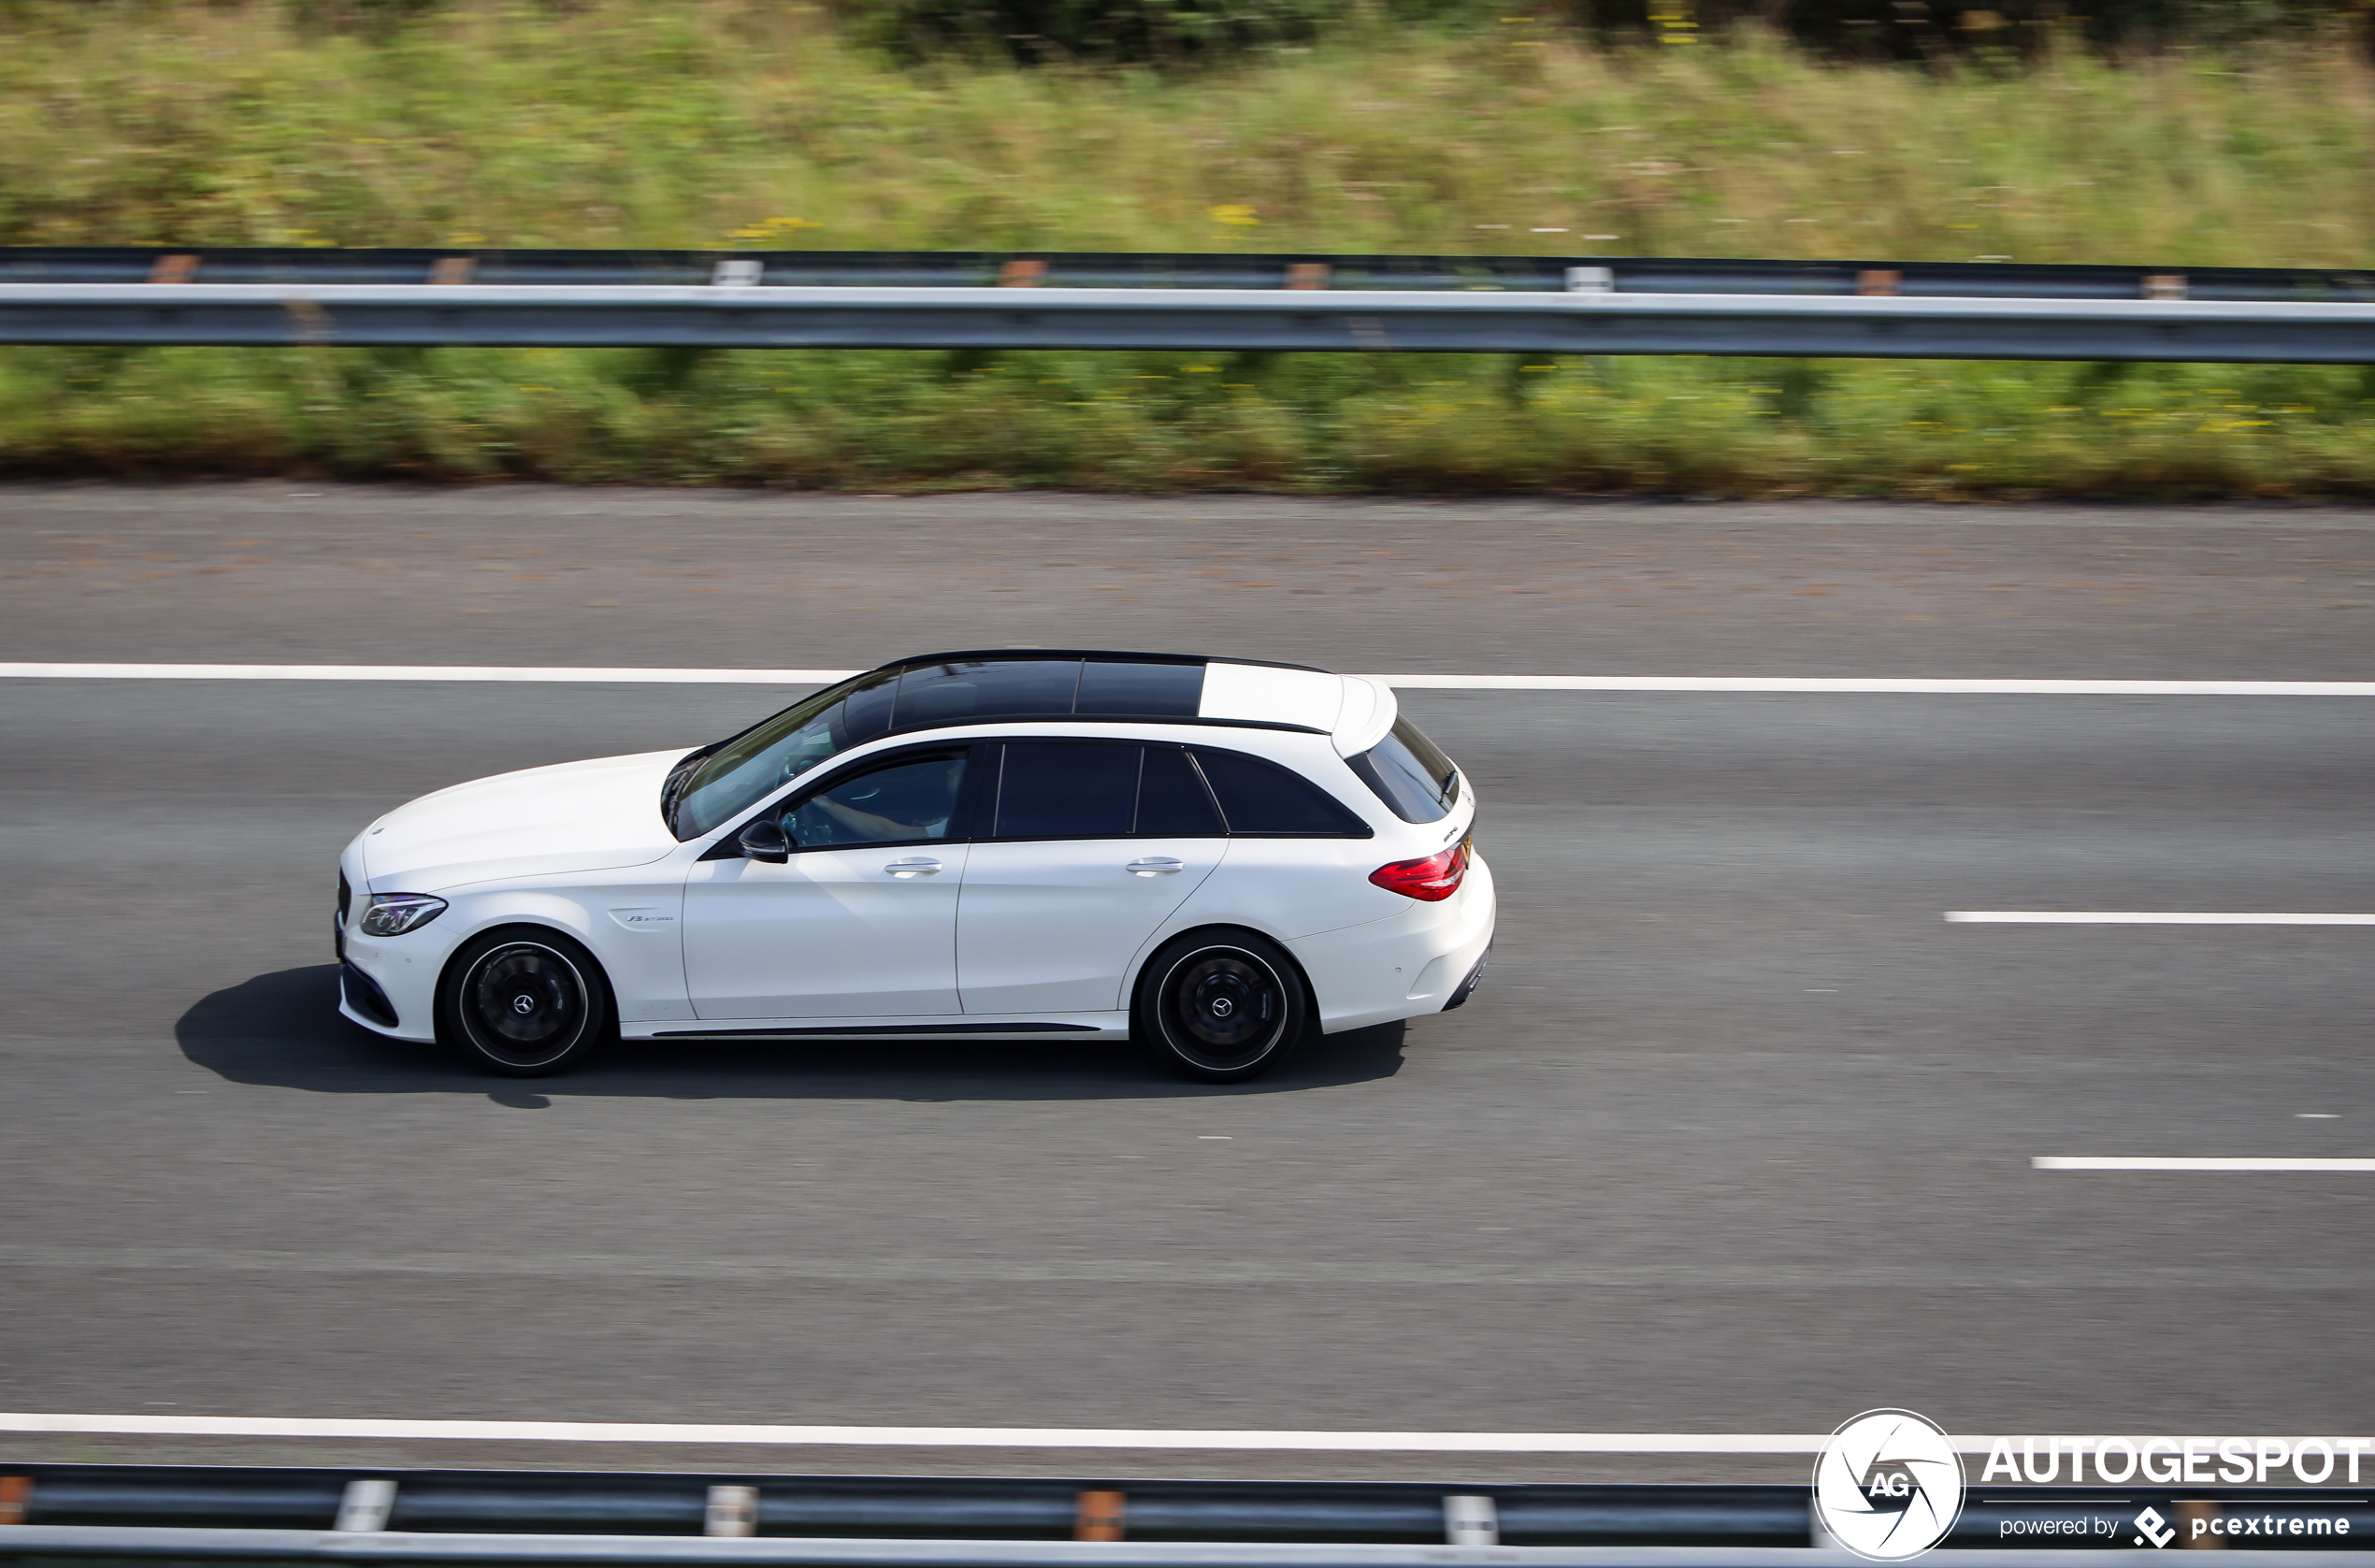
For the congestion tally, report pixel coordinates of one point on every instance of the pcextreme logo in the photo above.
(1888, 1486)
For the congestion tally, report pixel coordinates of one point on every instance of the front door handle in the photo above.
(1156, 865)
(914, 866)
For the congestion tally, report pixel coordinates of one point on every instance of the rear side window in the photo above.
(1264, 799)
(1055, 790)
(1172, 802)
(1410, 774)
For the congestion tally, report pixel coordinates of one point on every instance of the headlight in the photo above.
(392, 914)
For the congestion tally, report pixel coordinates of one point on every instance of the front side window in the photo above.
(767, 757)
(1410, 774)
(912, 800)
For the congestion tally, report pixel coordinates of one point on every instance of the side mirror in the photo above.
(765, 840)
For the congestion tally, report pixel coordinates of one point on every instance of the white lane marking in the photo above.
(2189, 1163)
(960, 1437)
(1861, 684)
(932, 1437)
(422, 673)
(2125, 917)
(593, 674)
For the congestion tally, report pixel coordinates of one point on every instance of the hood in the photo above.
(574, 817)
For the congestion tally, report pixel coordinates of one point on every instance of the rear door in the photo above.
(1086, 848)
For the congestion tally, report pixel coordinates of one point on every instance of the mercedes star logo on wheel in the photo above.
(524, 1004)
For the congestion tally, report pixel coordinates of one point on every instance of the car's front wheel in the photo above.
(1221, 1006)
(524, 1002)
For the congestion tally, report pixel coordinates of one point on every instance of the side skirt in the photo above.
(1111, 1026)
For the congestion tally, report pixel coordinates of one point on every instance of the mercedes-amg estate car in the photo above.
(1210, 855)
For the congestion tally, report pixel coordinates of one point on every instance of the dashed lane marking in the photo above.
(2130, 918)
(2190, 1162)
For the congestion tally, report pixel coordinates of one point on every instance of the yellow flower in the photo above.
(1240, 217)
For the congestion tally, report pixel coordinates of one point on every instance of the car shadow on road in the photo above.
(283, 1029)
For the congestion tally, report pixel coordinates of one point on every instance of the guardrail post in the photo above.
(1471, 1521)
(738, 272)
(366, 1506)
(1099, 1516)
(174, 269)
(16, 1497)
(2189, 1509)
(1591, 279)
(732, 1511)
(2164, 285)
(1308, 275)
(1022, 273)
(1879, 283)
(452, 269)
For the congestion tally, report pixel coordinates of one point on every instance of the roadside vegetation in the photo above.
(757, 124)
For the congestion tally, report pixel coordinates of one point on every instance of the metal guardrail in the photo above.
(1589, 321)
(63, 1544)
(985, 1509)
(60, 1543)
(55, 1510)
(1306, 271)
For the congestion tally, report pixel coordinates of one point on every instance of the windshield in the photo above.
(1410, 774)
(744, 770)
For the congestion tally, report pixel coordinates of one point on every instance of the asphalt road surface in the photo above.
(1736, 1138)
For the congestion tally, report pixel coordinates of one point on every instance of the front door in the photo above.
(860, 921)
(1091, 846)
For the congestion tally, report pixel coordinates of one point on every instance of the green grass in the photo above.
(708, 122)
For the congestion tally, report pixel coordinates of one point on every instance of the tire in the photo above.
(1221, 1006)
(524, 1002)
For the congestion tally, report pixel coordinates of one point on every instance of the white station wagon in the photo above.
(1208, 856)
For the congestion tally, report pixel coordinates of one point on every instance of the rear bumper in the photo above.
(1411, 964)
(1468, 988)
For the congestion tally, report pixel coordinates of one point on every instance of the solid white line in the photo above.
(421, 672)
(2121, 917)
(929, 1437)
(1854, 685)
(1779, 683)
(953, 1437)
(2189, 1163)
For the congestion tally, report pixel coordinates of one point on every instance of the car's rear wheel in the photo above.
(524, 1002)
(1221, 1006)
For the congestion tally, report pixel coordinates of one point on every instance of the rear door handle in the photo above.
(914, 866)
(1156, 865)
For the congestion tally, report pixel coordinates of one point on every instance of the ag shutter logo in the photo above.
(1888, 1486)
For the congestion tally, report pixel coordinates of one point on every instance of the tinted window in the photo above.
(1060, 790)
(1259, 797)
(1410, 773)
(763, 758)
(907, 802)
(953, 693)
(1172, 802)
(1171, 691)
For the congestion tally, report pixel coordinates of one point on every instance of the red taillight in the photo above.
(1435, 878)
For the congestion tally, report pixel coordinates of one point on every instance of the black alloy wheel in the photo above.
(1223, 1007)
(524, 1003)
